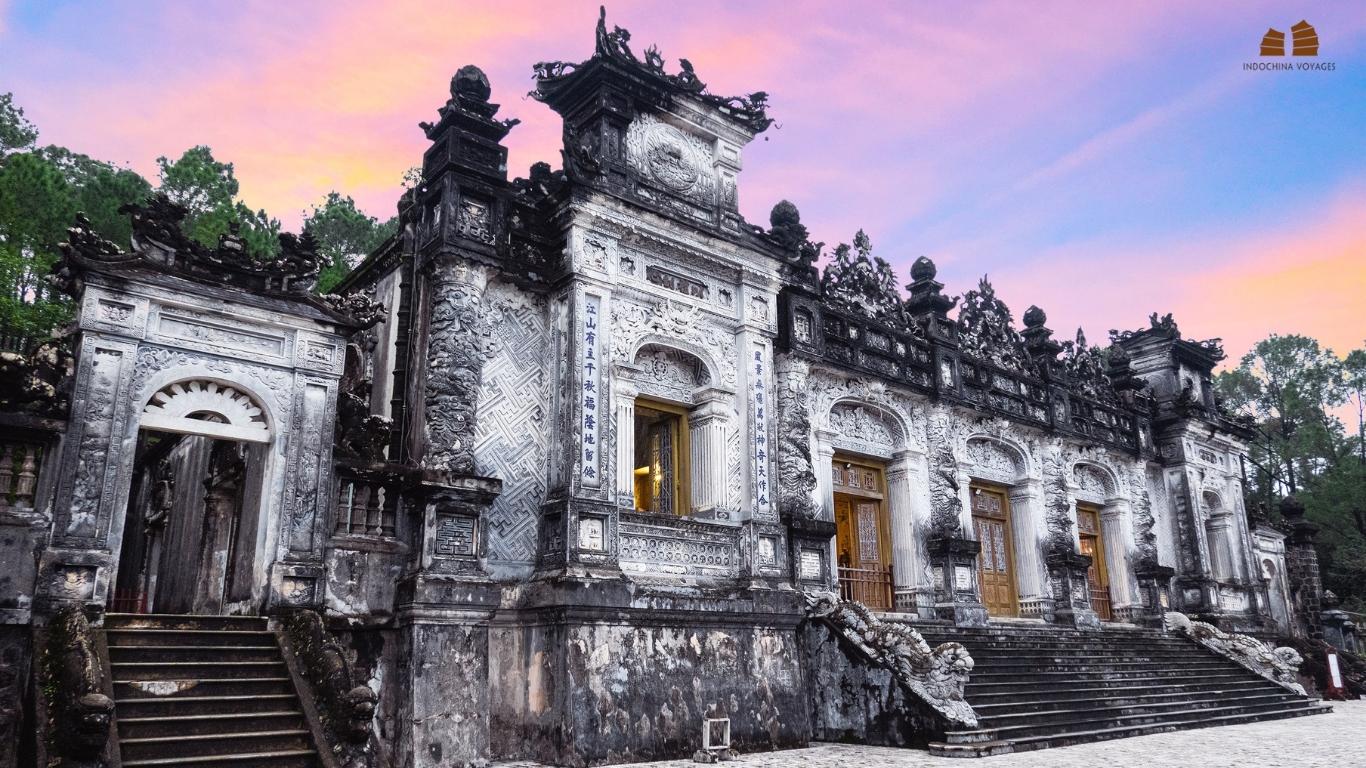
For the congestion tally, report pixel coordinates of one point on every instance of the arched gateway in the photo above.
(202, 420)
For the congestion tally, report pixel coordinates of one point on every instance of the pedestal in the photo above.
(1154, 587)
(1071, 591)
(957, 596)
(445, 602)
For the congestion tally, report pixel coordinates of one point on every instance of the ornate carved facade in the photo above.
(604, 434)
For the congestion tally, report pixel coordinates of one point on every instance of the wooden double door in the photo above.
(996, 561)
(862, 535)
(1092, 543)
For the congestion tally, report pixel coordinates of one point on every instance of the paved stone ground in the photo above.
(1336, 740)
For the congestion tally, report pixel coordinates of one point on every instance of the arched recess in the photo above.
(1011, 572)
(863, 427)
(206, 407)
(232, 513)
(994, 459)
(1094, 482)
(1101, 517)
(681, 396)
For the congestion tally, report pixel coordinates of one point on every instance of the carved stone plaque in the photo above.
(590, 534)
(454, 536)
(812, 564)
(767, 550)
(962, 578)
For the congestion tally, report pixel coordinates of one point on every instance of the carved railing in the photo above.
(870, 586)
(1100, 603)
(345, 706)
(20, 462)
(1279, 665)
(79, 713)
(861, 344)
(936, 677)
(367, 499)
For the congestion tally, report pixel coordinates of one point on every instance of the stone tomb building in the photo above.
(603, 449)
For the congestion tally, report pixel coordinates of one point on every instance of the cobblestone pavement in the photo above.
(1336, 740)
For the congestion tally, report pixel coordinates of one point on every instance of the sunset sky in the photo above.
(1101, 160)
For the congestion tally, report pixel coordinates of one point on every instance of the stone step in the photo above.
(123, 654)
(1006, 746)
(168, 706)
(1081, 668)
(290, 758)
(177, 725)
(1102, 708)
(213, 744)
(176, 621)
(1014, 660)
(1050, 697)
(125, 688)
(1091, 723)
(195, 670)
(123, 638)
(1143, 672)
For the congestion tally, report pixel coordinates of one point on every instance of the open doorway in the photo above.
(192, 529)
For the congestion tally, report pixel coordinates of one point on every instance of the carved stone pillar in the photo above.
(906, 566)
(1154, 584)
(957, 598)
(625, 413)
(454, 364)
(1071, 591)
(1113, 524)
(1026, 520)
(825, 489)
(707, 424)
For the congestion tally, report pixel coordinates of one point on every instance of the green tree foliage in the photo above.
(16, 132)
(345, 235)
(1292, 386)
(41, 189)
(208, 188)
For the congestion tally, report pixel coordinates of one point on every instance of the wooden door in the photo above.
(862, 544)
(1093, 545)
(995, 564)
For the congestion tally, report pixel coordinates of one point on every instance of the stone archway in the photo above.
(192, 539)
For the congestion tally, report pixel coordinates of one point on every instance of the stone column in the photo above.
(1302, 570)
(707, 424)
(1114, 519)
(454, 364)
(905, 557)
(825, 458)
(1026, 518)
(626, 445)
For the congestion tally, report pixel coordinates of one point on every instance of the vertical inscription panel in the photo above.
(312, 437)
(590, 395)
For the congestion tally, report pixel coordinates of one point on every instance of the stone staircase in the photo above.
(1035, 687)
(204, 692)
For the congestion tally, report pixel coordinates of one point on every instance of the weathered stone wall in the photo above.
(851, 700)
(16, 658)
(593, 692)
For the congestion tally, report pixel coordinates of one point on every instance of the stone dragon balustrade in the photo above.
(1279, 665)
(935, 676)
(346, 706)
(80, 714)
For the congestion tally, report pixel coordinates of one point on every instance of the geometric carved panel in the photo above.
(511, 437)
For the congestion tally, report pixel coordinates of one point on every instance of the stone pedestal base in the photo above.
(443, 689)
(957, 596)
(1071, 592)
(1154, 585)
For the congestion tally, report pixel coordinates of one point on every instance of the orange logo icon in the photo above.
(1302, 35)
